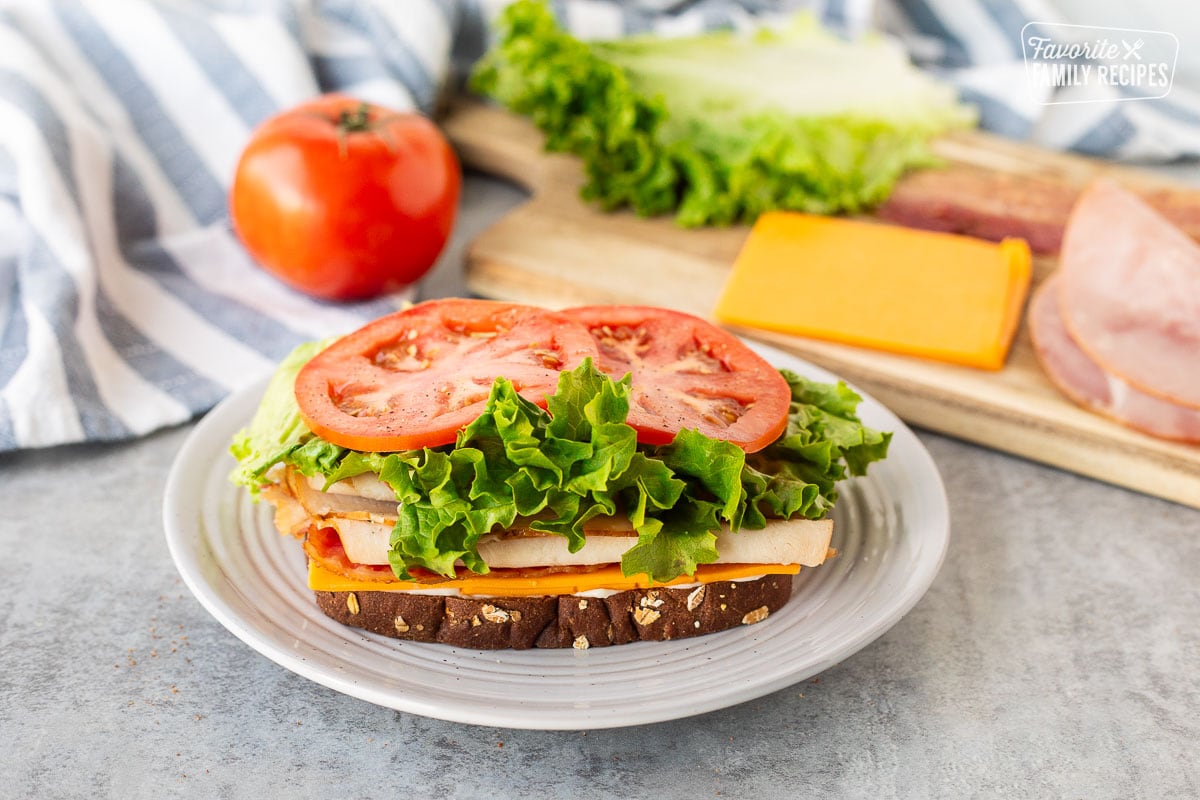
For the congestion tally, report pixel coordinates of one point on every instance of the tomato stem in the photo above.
(355, 120)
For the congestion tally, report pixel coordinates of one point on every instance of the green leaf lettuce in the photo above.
(557, 468)
(718, 128)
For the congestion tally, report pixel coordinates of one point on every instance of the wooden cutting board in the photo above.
(556, 251)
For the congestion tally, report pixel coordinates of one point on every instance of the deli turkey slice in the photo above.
(1130, 293)
(1081, 379)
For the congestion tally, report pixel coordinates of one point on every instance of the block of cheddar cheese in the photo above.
(921, 293)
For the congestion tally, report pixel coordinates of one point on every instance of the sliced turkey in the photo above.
(364, 526)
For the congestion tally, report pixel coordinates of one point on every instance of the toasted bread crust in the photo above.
(495, 623)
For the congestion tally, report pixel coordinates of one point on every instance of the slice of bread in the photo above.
(492, 623)
(572, 620)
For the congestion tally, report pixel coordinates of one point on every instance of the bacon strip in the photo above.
(993, 205)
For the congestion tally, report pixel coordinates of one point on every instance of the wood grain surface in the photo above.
(556, 251)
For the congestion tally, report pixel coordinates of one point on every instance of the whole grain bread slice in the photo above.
(495, 623)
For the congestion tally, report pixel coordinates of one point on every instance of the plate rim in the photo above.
(183, 503)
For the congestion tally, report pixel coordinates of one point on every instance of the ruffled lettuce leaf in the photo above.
(718, 128)
(824, 443)
(557, 468)
(276, 432)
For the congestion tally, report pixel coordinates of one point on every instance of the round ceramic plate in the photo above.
(891, 530)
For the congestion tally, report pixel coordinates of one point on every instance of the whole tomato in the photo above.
(345, 200)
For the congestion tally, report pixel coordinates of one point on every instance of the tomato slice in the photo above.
(688, 373)
(416, 377)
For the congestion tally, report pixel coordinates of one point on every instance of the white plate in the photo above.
(892, 529)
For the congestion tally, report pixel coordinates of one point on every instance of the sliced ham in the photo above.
(1130, 293)
(1082, 380)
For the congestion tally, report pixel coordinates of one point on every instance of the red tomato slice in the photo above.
(688, 373)
(415, 378)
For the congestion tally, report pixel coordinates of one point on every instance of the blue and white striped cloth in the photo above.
(126, 303)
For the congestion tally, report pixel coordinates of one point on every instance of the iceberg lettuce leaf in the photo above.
(720, 127)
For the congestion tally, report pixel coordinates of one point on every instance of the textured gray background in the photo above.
(1056, 655)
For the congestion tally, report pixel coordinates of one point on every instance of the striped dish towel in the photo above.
(126, 303)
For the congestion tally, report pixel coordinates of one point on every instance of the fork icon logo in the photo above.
(1132, 49)
(1090, 64)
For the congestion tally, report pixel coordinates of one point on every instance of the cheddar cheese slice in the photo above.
(921, 293)
(324, 580)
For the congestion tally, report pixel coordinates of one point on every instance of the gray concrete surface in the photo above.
(1057, 654)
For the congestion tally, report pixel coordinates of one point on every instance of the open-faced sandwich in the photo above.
(494, 475)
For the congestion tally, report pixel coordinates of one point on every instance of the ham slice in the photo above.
(1130, 293)
(1082, 380)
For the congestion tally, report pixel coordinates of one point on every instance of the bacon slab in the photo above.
(1081, 379)
(987, 205)
(994, 205)
(1130, 293)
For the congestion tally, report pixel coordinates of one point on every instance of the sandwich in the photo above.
(494, 475)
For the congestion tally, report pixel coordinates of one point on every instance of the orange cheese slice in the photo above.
(610, 577)
(936, 295)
